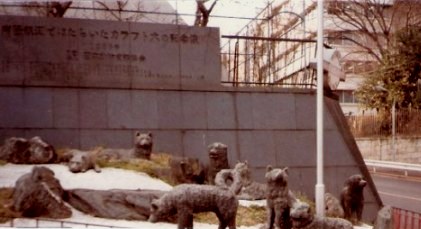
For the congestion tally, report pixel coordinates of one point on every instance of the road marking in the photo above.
(400, 196)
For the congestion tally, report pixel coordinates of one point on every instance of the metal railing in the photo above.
(405, 168)
(408, 122)
(56, 223)
(403, 219)
(255, 60)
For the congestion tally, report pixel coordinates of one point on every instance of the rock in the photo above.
(39, 194)
(22, 151)
(384, 218)
(114, 204)
(14, 150)
(41, 152)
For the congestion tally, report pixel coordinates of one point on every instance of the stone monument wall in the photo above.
(92, 53)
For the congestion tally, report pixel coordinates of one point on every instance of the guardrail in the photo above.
(404, 167)
(403, 219)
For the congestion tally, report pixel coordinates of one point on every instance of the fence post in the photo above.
(396, 218)
(419, 220)
(409, 216)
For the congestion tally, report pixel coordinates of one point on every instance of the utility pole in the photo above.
(320, 187)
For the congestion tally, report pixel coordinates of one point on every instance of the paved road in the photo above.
(399, 191)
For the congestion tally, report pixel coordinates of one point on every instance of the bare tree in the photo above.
(34, 8)
(370, 24)
(202, 13)
(58, 9)
(116, 9)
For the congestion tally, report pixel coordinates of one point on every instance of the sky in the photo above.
(228, 8)
(231, 8)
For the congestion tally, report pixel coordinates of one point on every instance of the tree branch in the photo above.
(202, 14)
(108, 9)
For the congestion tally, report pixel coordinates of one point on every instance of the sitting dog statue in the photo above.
(333, 206)
(187, 170)
(279, 199)
(142, 149)
(352, 198)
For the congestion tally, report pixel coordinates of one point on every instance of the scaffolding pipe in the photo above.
(236, 61)
(269, 38)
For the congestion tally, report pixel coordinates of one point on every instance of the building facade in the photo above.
(279, 46)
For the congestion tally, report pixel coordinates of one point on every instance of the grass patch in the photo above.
(157, 167)
(162, 159)
(153, 167)
(246, 216)
(252, 215)
(6, 201)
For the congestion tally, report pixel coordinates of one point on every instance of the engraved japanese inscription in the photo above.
(96, 53)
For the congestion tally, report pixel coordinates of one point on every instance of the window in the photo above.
(345, 38)
(346, 96)
(358, 67)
